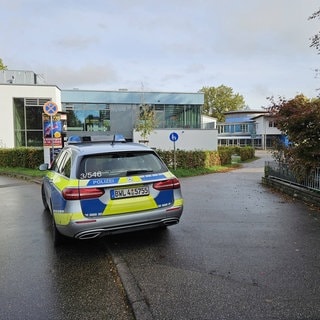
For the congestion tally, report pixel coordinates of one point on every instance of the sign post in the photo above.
(174, 137)
(50, 108)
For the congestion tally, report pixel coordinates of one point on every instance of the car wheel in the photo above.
(57, 237)
(44, 201)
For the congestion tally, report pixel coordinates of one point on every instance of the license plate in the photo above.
(129, 192)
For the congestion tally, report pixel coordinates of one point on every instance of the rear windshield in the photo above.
(120, 164)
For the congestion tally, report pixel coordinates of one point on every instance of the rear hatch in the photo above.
(125, 182)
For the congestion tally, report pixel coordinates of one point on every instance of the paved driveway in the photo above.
(240, 252)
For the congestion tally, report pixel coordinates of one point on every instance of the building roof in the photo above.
(243, 115)
(131, 97)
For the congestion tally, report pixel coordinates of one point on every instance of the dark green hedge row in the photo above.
(245, 153)
(21, 157)
(205, 159)
(33, 157)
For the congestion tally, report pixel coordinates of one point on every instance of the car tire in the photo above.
(43, 196)
(57, 237)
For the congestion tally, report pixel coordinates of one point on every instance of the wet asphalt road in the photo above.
(240, 252)
(37, 281)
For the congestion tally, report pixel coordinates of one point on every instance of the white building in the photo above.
(21, 113)
(23, 94)
(266, 130)
(248, 128)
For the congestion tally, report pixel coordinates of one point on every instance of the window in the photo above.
(62, 163)
(221, 128)
(87, 116)
(272, 124)
(120, 164)
(67, 167)
(28, 121)
(244, 127)
(104, 117)
(177, 116)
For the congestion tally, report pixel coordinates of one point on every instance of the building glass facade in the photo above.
(28, 121)
(118, 111)
(25, 94)
(87, 116)
(106, 112)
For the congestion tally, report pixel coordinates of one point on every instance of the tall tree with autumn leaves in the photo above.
(299, 120)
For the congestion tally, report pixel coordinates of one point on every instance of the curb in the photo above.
(297, 192)
(22, 177)
(134, 294)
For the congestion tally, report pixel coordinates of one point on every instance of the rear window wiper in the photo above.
(131, 172)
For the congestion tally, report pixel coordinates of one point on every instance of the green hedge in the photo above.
(33, 157)
(21, 157)
(245, 153)
(205, 159)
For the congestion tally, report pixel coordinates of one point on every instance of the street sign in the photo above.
(173, 136)
(50, 108)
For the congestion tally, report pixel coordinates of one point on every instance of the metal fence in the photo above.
(282, 172)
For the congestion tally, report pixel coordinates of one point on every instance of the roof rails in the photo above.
(99, 138)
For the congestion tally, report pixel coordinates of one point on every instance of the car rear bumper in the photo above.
(121, 223)
(97, 233)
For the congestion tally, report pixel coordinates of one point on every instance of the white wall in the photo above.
(190, 139)
(208, 122)
(7, 93)
(263, 126)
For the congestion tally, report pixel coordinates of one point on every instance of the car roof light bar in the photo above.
(99, 138)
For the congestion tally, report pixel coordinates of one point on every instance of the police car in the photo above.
(96, 188)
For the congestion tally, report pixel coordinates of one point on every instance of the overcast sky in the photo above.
(260, 48)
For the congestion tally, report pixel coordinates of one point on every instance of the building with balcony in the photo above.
(248, 128)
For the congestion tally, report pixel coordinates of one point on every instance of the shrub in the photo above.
(299, 120)
(33, 157)
(204, 159)
(21, 157)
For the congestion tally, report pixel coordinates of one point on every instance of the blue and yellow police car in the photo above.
(94, 188)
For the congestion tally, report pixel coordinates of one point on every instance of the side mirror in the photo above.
(43, 167)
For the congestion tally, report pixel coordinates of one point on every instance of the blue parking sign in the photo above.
(173, 136)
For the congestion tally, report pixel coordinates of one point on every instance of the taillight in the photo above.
(167, 184)
(81, 193)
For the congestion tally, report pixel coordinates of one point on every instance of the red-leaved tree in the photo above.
(299, 120)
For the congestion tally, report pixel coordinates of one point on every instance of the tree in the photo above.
(146, 122)
(218, 100)
(299, 120)
(2, 66)
(315, 40)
